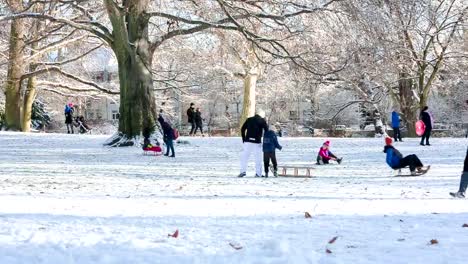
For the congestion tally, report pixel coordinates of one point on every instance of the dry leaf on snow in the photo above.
(175, 235)
(332, 240)
(235, 246)
(434, 241)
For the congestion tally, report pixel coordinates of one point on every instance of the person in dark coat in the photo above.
(252, 132)
(463, 180)
(270, 144)
(168, 133)
(396, 126)
(191, 118)
(69, 110)
(396, 160)
(427, 119)
(198, 121)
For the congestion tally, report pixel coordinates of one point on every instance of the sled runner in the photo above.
(295, 171)
(422, 172)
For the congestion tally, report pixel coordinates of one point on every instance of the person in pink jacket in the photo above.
(324, 156)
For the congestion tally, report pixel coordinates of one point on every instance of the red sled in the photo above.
(420, 128)
(155, 150)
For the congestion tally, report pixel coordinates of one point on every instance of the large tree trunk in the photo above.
(15, 71)
(408, 102)
(28, 101)
(30, 93)
(248, 104)
(134, 55)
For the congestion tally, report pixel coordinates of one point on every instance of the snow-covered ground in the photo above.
(67, 199)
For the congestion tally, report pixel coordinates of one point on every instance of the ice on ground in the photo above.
(68, 199)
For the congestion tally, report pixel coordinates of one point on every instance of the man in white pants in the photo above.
(252, 132)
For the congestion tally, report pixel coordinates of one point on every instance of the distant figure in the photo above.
(252, 132)
(69, 110)
(82, 125)
(324, 156)
(191, 118)
(168, 133)
(396, 160)
(428, 121)
(396, 126)
(198, 121)
(270, 144)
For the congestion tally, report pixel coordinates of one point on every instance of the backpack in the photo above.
(176, 133)
(68, 109)
(392, 159)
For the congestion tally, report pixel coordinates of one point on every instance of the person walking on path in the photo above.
(396, 160)
(252, 131)
(428, 121)
(191, 118)
(396, 126)
(198, 121)
(270, 144)
(463, 180)
(69, 110)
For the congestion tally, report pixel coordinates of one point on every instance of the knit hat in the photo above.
(388, 141)
(327, 143)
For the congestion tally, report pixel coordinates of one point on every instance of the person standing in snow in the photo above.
(396, 126)
(428, 121)
(191, 117)
(324, 156)
(270, 144)
(198, 121)
(252, 132)
(69, 117)
(396, 160)
(463, 179)
(168, 133)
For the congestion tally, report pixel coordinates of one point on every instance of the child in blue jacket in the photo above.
(270, 144)
(396, 160)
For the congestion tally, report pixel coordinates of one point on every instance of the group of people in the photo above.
(252, 131)
(71, 121)
(256, 127)
(425, 116)
(195, 120)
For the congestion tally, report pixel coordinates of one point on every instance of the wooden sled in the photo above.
(297, 171)
(400, 174)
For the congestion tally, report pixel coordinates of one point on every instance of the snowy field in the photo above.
(67, 199)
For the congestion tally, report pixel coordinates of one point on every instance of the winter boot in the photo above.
(275, 173)
(242, 174)
(457, 194)
(339, 160)
(256, 175)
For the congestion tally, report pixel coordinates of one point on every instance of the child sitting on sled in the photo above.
(396, 160)
(324, 156)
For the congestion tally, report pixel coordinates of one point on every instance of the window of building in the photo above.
(115, 115)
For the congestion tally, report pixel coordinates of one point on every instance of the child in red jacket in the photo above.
(324, 156)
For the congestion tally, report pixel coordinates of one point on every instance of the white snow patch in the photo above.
(67, 199)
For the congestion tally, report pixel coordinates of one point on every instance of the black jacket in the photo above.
(465, 168)
(191, 115)
(168, 131)
(198, 118)
(426, 118)
(252, 129)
